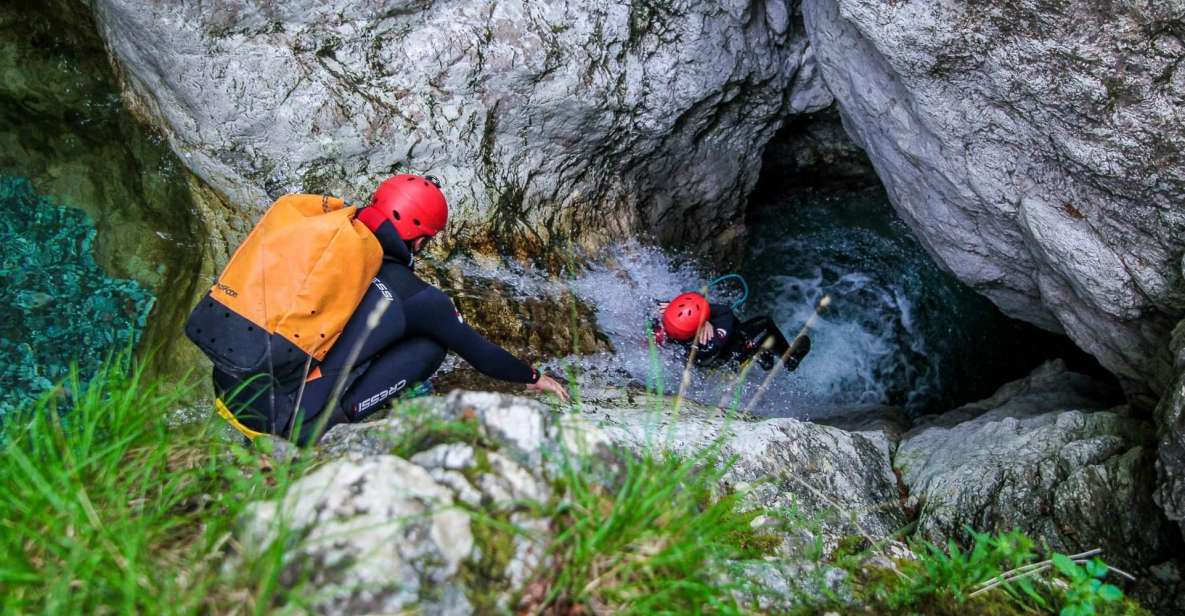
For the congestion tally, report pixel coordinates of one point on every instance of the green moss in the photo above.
(484, 576)
(422, 427)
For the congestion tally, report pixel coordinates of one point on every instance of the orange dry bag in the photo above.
(288, 291)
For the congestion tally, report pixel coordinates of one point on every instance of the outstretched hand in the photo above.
(548, 384)
(706, 333)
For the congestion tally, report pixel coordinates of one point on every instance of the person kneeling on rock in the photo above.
(393, 341)
(720, 337)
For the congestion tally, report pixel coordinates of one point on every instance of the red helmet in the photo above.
(684, 315)
(413, 204)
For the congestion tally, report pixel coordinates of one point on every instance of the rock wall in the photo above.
(1170, 421)
(1053, 456)
(1047, 454)
(1036, 150)
(589, 118)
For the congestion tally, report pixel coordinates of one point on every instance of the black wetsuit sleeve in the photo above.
(432, 315)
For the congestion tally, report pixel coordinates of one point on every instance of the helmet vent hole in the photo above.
(416, 220)
(395, 214)
(411, 178)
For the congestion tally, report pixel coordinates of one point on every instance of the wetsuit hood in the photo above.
(394, 248)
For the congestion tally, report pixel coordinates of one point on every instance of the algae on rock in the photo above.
(63, 125)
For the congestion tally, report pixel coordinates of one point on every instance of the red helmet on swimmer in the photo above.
(684, 315)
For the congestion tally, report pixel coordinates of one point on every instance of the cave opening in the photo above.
(901, 330)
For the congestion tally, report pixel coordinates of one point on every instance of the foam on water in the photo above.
(867, 348)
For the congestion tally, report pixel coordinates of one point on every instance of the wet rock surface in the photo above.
(1048, 455)
(590, 119)
(1033, 148)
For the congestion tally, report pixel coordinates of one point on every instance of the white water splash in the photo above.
(900, 331)
(843, 369)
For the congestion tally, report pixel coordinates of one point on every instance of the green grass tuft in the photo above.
(653, 535)
(106, 508)
(947, 580)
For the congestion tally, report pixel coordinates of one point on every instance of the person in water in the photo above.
(721, 338)
(417, 325)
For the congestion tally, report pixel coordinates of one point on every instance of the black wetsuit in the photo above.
(737, 341)
(417, 326)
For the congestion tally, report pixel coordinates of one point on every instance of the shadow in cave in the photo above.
(901, 330)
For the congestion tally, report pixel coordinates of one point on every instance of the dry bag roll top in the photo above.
(286, 294)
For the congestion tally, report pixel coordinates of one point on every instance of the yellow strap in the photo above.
(234, 421)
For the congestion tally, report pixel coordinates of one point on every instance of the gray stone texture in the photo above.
(1047, 455)
(843, 481)
(1170, 423)
(1043, 457)
(1035, 148)
(553, 117)
(377, 535)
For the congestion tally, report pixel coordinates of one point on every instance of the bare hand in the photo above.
(548, 384)
(706, 333)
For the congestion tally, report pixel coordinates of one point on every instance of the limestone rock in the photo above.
(1040, 457)
(1035, 149)
(582, 117)
(382, 535)
(781, 587)
(817, 470)
(501, 481)
(822, 472)
(1170, 423)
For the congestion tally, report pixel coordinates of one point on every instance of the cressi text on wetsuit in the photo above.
(417, 326)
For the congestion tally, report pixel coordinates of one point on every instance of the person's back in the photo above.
(396, 338)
